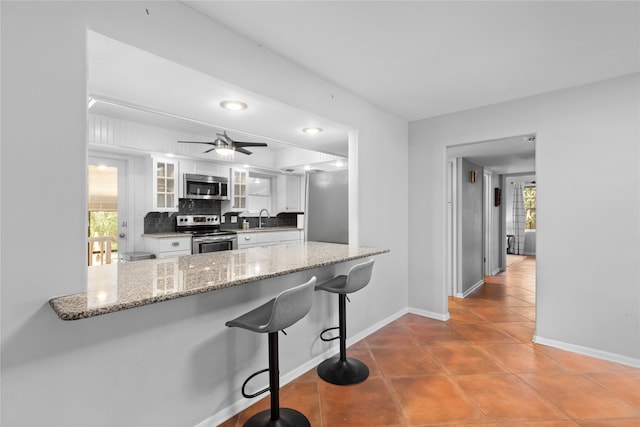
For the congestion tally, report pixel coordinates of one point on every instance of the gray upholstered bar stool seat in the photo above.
(340, 369)
(274, 316)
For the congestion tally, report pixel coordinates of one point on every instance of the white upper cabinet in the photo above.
(166, 185)
(290, 193)
(239, 181)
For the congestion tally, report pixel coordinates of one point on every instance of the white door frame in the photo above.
(125, 244)
(487, 233)
(451, 271)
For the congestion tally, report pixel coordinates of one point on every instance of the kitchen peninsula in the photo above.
(127, 285)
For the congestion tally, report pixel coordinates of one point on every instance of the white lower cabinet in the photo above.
(165, 247)
(267, 238)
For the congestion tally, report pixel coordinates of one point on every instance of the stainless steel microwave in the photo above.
(205, 187)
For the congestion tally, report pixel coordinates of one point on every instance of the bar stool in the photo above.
(343, 370)
(274, 316)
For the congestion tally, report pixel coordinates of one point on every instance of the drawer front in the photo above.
(286, 236)
(170, 254)
(248, 239)
(267, 238)
(171, 244)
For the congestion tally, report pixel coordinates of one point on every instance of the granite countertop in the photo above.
(116, 287)
(166, 235)
(265, 229)
(173, 234)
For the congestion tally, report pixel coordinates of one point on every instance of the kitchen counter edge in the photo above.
(266, 229)
(74, 306)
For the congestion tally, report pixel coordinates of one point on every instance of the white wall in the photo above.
(497, 238)
(587, 295)
(470, 226)
(157, 365)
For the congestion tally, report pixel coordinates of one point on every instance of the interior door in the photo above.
(107, 210)
(488, 225)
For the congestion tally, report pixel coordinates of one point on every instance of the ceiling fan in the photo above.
(225, 146)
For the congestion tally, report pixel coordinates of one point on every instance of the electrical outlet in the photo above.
(234, 219)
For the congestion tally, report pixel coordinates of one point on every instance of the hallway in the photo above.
(477, 369)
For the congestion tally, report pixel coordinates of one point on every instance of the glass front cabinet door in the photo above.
(239, 196)
(165, 185)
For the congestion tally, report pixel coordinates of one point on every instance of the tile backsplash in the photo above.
(199, 206)
(165, 222)
(160, 222)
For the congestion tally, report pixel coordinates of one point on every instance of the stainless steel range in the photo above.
(207, 236)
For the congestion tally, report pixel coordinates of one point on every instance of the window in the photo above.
(259, 192)
(530, 208)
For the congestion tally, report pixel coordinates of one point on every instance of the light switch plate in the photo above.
(223, 219)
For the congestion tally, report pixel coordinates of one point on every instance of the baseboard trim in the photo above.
(588, 351)
(496, 271)
(242, 404)
(430, 314)
(471, 289)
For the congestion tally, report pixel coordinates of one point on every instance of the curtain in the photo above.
(518, 217)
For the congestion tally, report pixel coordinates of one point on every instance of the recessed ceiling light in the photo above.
(307, 167)
(233, 105)
(312, 131)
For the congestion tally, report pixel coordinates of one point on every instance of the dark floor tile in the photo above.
(578, 397)
(464, 359)
(370, 403)
(413, 361)
(434, 399)
(504, 397)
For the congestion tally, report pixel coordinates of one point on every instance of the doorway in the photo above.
(485, 249)
(106, 216)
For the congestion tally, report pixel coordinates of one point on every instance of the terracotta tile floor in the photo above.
(479, 369)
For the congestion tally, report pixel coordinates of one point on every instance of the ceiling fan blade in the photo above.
(223, 136)
(209, 150)
(249, 144)
(242, 150)
(197, 142)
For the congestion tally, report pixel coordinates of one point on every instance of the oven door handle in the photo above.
(213, 239)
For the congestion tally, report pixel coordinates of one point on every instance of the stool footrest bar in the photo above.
(258, 393)
(327, 330)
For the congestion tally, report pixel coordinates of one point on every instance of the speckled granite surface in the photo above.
(267, 229)
(128, 285)
(167, 235)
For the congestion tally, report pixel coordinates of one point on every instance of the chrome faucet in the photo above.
(260, 217)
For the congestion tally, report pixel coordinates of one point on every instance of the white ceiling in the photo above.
(143, 87)
(420, 59)
(502, 156)
(415, 59)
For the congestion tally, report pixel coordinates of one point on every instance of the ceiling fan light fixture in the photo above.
(233, 105)
(224, 151)
(312, 131)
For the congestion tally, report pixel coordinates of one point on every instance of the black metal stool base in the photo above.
(288, 418)
(336, 371)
